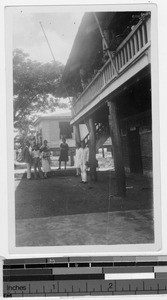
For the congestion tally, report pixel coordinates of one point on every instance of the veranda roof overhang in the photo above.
(87, 46)
(87, 42)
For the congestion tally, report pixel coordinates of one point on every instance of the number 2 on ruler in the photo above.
(110, 286)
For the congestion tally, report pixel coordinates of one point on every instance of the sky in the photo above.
(60, 28)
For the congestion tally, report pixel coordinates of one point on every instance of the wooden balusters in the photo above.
(128, 52)
(133, 45)
(139, 39)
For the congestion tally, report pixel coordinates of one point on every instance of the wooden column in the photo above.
(117, 149)
(77, 133)
(92, 149)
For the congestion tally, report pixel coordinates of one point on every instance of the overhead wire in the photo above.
(24, 101)
(43, 30)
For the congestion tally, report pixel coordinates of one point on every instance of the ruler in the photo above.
(77, 276)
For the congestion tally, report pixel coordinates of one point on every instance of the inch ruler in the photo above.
(77, 276)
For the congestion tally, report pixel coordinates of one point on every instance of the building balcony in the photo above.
(132, 55)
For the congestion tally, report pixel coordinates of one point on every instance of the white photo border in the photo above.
(85, 250)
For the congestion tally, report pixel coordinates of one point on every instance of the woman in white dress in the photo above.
(45, 154)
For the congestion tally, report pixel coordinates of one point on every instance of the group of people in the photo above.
(39, 158)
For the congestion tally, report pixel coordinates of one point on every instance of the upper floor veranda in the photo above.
(131, 56)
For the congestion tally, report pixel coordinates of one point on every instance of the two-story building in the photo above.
(108, 73)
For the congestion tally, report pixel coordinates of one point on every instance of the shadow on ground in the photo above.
(65, 195)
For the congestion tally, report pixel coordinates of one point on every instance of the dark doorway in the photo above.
(135, 159)
(65, 130)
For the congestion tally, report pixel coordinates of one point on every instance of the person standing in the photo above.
(45, 154)
(77, 155)
(63, 153)
(83, 161)
(27, 158)
(37, 161)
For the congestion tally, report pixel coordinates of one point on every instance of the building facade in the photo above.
(53, 128)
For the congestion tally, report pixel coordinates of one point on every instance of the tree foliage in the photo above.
(34, 88)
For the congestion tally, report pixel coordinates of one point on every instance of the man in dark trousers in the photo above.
(27, 158)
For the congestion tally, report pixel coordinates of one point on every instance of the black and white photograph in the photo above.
(83, 127)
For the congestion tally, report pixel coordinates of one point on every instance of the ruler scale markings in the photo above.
(153, 290)
(94, 284)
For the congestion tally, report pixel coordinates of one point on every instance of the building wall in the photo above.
(146, 152)
(45, 131)
(51, 133)
(146, 149)
(145, 134)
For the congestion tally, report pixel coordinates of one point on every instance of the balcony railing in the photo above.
(128, 51)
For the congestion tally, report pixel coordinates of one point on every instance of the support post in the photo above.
(77, 133)
(117, 149)
(92, 149)
(103, 151)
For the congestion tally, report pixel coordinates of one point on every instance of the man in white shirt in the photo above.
(83, 158)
